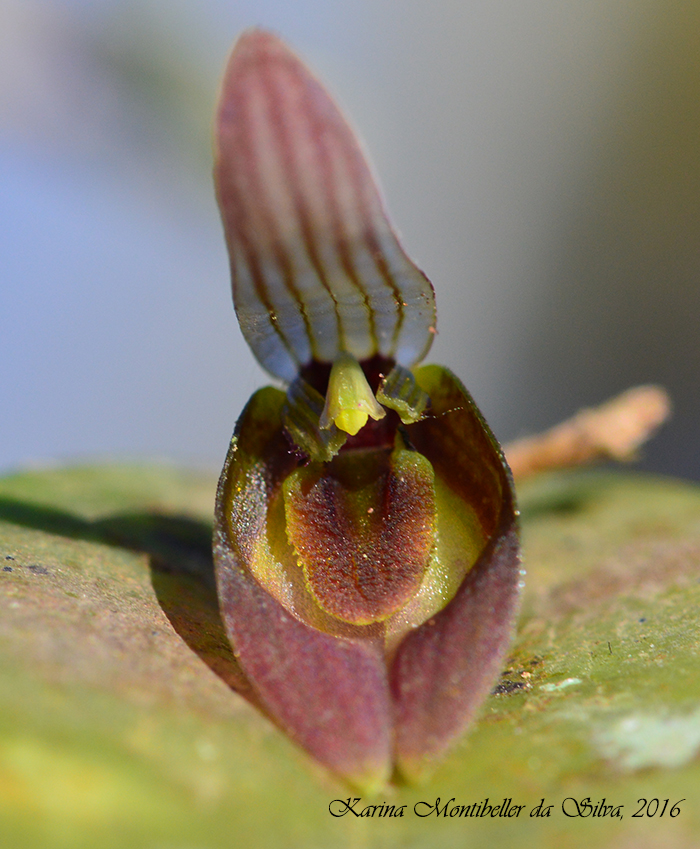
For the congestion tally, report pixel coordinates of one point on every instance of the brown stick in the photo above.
(613, 431)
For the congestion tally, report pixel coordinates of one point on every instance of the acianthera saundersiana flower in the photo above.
(366, 541)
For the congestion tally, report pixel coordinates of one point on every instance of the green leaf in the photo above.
(119, 728)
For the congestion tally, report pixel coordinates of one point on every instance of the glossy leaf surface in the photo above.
(118, 727)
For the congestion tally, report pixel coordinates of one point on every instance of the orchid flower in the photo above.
(366, 542)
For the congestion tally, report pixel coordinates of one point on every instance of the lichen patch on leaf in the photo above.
(642, 740)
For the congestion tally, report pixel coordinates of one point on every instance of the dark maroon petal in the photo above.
(445, 668)
(329, 694)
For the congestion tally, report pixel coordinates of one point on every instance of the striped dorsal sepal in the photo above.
(316, 267)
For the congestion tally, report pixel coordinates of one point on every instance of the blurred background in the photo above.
(541, 159)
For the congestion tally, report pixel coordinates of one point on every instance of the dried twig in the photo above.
(613, 431)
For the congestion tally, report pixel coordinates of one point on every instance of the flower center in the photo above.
(349, 398)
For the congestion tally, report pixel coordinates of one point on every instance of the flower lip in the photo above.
(363, 529)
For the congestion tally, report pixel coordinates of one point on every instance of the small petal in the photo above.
(316, 267)
(302, 415)
(398, 391)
